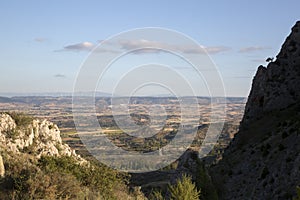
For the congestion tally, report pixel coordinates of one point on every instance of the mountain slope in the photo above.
(263, 160)
(36, 164)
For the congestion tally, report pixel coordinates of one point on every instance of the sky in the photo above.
(44, 44)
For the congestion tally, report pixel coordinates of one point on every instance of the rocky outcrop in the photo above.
(277, 86)
(263, 159)
(36, 138)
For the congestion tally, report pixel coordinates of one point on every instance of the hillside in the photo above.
(262, 161)
(36, 164)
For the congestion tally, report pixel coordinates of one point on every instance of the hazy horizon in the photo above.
(98, 94)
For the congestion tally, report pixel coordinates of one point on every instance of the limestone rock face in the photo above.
(262, 161)
(277, 86)
(254, 106)
(2, 169)
(38, 138)
(6, 122)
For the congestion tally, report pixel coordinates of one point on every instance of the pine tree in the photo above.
(184, 189)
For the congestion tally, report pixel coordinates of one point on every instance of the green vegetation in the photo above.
(12, 133)
(59, 178)
(156, 195)
(97, 178)
(48, 177)
(51, 126)
(203, 181)
(184, 189)
(21, 119)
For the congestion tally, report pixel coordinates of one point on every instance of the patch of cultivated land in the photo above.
(162, 125)
(159, 127)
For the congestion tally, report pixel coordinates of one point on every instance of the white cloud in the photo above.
(84, 46)
(144, 46)
(241, 77)
(60, 76)
(252, 49)
(40, 39)
(259, 60)
(216, 49)
(154, 46)
(87, 46)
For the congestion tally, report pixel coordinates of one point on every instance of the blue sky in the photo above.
(44, 43)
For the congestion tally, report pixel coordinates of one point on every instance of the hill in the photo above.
(36, 164)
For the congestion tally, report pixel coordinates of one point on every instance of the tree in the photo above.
(184, 189)
(269, 59)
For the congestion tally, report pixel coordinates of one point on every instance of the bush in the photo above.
(98, 178)
(58, 178)
(21, 119)
(18, 171)
(203, 182)
(56, 185)
(184, 189)
(156, 195)
(13, 134)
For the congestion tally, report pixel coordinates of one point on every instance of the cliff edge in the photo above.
(262, 161)
(276, 86)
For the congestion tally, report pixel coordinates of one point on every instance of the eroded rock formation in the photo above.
(276, 86)
(262, 161)
(37, 138)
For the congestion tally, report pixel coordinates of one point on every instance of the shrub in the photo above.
(58, 178)
(203, 182)
(184, 189)
(18, 171)
(156, 195)
(13, 134)
(55, 185)
(51, 126)
(21, 119)
(97, 177)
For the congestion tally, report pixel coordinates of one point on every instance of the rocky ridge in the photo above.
(276, 86)
(262, 161)
(36, 138)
